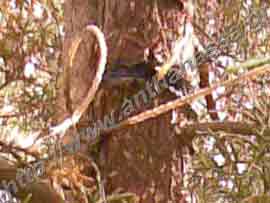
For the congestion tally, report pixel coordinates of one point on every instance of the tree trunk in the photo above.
(143, 158)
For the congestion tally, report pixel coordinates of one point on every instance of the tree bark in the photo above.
(139, 159)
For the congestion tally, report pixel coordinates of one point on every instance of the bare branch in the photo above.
(190, 131)
(164, 108)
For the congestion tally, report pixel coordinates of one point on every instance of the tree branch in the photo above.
(164, 108)
(191, 131)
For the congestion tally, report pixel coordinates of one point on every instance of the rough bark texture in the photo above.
(138, 159)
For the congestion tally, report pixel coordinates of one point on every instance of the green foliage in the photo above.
(234, 167)
(30, 42)
(229, 167)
